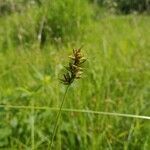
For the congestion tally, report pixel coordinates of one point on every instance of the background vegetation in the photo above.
(36, 37)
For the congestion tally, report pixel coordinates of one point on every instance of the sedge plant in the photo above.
(74, 71)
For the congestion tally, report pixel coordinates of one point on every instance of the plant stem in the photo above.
(57, 118)
(32, 125)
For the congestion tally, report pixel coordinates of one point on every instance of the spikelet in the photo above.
(74, 69)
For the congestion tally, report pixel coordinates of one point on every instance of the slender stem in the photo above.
(57, 118)
(32, 125)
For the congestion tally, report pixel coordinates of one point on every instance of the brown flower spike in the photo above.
(74, 68)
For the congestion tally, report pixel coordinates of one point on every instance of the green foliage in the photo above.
(23, 29)
(59, 21)
(128, 6)
(65, 20)
(8, 7)
(115, 79)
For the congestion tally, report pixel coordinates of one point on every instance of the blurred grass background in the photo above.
(36, 37)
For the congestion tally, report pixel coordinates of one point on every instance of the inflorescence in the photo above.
(74, 69)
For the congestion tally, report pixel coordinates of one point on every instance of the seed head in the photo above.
(74, 69)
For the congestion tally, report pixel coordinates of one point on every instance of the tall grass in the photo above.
(117, 81)
(51, 22)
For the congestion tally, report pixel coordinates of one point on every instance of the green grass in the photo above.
(116, 79)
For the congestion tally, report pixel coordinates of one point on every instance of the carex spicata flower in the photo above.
(74, 69)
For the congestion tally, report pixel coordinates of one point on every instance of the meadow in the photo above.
(116, 79)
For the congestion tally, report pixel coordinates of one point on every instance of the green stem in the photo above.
(32, 125)
(57, 118)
